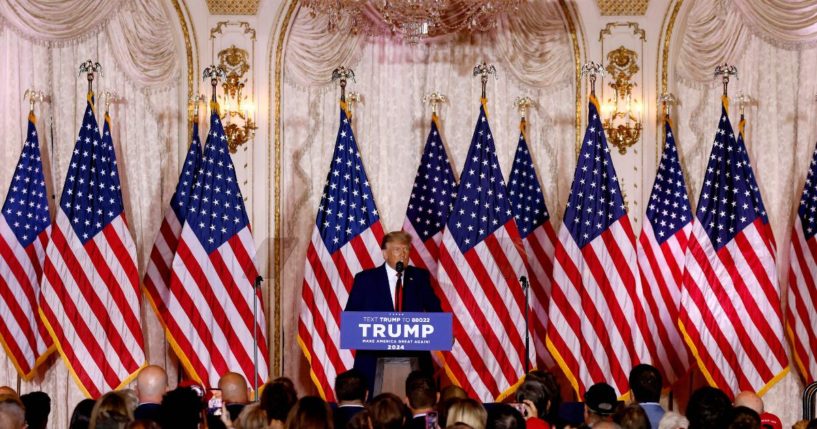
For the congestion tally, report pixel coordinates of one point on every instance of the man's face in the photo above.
(395, 252)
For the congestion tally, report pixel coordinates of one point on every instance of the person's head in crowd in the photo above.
(38, 407)
(5, 390)
(387, 411)
(749, 399)
(361, 420)
(233, 388)
(421, 392)
(673, 420)
(606, 425)
(448, 395)
(112, 411)
(452, 391)
(350, 387)
(459, 425)
(632, 417)
(600, 404)
(395, 246)
(770, 421)
(151, 384)
(81, 416)
(143, 424)
(540, 397)
(504, 416)
(181, 409)
(741, 417)
(552, 392)
(708, 408)
(251, 417)
(812, 424)
(468, 411)
(310, 412)
(645, 382)
(278, 398)
(12, 412)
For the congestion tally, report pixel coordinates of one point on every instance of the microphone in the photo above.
(399, 267)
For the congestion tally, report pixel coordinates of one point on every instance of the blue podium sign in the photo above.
(368, 330)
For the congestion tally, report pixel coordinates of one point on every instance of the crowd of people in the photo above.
(536, 404)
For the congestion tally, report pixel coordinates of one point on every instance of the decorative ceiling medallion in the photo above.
(622, 7)
(232, 7)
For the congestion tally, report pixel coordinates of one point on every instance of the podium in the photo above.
(396, 335)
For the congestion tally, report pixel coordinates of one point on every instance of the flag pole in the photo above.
(522, 104)
(90, 67)
(483, 70)
(593, 69)
(725, 71)
(343, 74)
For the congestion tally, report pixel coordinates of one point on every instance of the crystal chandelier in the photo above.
(411, 20)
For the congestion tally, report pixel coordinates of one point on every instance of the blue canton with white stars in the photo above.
(347, 206)
(91, 197)
(526, 196)
(595, 200)
(481, 206)
(744, 156)
(729, 199)
(192, 163)
(434, 188)
(808, 201)
(216, 208)
(668, 210)
(26, 206)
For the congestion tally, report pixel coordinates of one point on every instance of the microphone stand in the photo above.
(526, 287)
(255, 287)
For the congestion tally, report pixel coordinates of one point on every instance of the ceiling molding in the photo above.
(621, 7)
(232, 7)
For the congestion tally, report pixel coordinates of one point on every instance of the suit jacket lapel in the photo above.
(384, 280)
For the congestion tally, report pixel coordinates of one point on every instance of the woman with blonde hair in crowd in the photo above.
(114, 410)
(467, 411)
(251, 417)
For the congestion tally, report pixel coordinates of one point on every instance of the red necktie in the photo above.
(398, 293)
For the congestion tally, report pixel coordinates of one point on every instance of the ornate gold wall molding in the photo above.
(191, 72)
(574, 38)
(232, 7)
(637, 30)
(622, 7)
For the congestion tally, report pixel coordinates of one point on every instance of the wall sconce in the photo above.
(238, 110)
(622, 114)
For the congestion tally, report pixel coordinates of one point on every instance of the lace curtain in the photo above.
(42, 43)
(771, 43)
(533, 56)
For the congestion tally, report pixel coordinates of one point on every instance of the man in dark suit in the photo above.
(383, 289)
(350, 391)
(421, 397)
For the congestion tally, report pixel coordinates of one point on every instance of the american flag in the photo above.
(661, 249)
(24, 228)
(90, 290)
(157, 274)
(533, 219)
(212, 293)
(801, 317)
(597, 327)
(481, 261)
(432, 195)
(730, 302)
(346, 240)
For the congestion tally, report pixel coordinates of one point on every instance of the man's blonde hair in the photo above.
(395, 237)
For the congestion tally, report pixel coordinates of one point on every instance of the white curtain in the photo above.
(780, 132)
(42, 43)
(392, 123)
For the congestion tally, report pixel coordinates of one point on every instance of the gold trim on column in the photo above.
(664, 59)
(571, 28)
(189, 48)
(275, 239)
